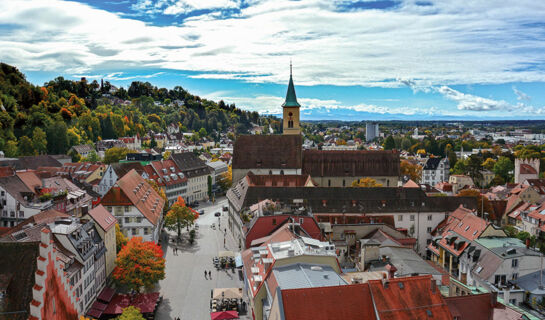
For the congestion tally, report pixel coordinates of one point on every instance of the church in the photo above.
(284, 155)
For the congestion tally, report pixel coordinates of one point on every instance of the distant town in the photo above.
(115, 202)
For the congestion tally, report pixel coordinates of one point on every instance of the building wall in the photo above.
(295, 117)
(12, 212)
(108, 180)
(133, 223)
(197, 188)
(110, 244)
(97, 174)
(346, 181)
(241, 173)
(234, 225)
(433, 177)
(176, 190)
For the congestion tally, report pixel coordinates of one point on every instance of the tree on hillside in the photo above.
(489, 164)
(139, 265)
(11, 149)
(389, 143)
(57, 139)
(131, 313)
(366, 183)
(179, 216)
(39, 141)
(414, 171)
(120, 239)
(480, 205)
(91, 157)
(25, 146)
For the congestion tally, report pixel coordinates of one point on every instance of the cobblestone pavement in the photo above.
(186, 292)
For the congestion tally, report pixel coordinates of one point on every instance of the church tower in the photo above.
(291, 110)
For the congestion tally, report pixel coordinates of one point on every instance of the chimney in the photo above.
(493, 298)
(506, 295)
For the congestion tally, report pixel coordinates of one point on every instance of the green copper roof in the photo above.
(291, 99)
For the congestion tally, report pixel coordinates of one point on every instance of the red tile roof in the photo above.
(30, 179)
(329, 303)
(409, 298)
(266, 225)
(481, 306)
(6, 171)
(134, 190)
(170, 177)
(527, 169)
(104, 218)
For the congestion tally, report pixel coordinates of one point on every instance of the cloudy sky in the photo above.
(352, 60)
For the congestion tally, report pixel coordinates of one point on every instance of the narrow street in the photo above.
(186, 292)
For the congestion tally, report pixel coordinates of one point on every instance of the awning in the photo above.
(99, 306)
(222, 315)
(146, 302)
(106, 295)
(238, 261)
(228, 293)
(94, 313)
(226, 254)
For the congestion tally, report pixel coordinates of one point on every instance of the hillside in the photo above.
(62, 113)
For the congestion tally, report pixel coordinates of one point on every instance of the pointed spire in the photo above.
(291, 98)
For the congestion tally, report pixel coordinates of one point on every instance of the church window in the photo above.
(290, 123)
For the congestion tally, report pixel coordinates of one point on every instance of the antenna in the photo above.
(290, 67)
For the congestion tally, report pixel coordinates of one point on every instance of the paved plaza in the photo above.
(186, 292)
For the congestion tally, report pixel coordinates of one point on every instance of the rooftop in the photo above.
(299, 275)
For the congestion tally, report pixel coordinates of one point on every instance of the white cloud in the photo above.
(446, 43)
(473, 103)
(521, 95)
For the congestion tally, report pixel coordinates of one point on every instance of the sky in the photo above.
(352, 60)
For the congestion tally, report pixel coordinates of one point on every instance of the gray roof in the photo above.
(83, 148)
(531, 282)
(217, 165)
(299, 275)
(406, 260)
(32, 162)
(16, 188)
(190, 164)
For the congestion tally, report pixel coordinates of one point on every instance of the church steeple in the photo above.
(291, 98)
(291, 110)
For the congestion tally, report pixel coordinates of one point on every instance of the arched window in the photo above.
(281, 172)
(387, 183)
(270, 172)
(344, 183)
(290, 123)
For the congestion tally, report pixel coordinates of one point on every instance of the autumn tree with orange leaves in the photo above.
(180, 216)
(139, 264)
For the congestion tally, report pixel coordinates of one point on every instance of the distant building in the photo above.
(435, 170)
(217, 169)
(459, 181)
(169, 177)
(197, 173)
(371, 131)
(83, 150)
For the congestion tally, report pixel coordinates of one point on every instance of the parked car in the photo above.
(201, 212)
(225, 209)
(217, 214)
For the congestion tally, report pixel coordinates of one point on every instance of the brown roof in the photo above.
(16, 188)
(134, 189)
(357, 163)
(18, 263)
(104, 218)
(267, 151)
(527, 169)
(30, 179)
(41, 218)
(6, 171)
(482, 306)
(121, 168)
(31, 162)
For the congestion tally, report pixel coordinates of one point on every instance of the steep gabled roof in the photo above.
(102, 217)
(432, 164)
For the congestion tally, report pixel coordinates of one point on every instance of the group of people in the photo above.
(209, 274)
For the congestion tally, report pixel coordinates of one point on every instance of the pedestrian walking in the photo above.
(205, 274)
(210, 274)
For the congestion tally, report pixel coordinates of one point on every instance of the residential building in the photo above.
(494, 262)
(371, 131)
(115, 171)
(103, 145)
(83, 150)
(137, 207)
(263, 226)
(460, 181)
(217, 169)
(144, 157)
(436, 170)
(105, 226)
(532, 284)
(66, 196)
(484, 306)
(196, 171)
(526, 169)
(169, 177)
(18, 202)
(132, 143)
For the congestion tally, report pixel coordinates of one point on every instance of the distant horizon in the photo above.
(369, 59)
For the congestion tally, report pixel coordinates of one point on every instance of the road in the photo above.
(185, 291)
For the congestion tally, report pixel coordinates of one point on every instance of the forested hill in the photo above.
(66, 113)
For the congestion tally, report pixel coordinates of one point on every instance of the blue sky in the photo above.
(353, 60)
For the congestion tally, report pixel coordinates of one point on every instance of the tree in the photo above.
(139, 264)
(480, 205)
(510, 231)
(459, 167)
(389, 143)
(209, 180)
(57, 138)
(166, 155)
(366, 183)
(25, 146)
(489, 164)
(161, 193)
(131, 313)
(452, 158)
(120, 239)
(203, 133)
(503, 167)
(39, 141)
(11, 149)
(152, 143)
(414, 171)
(91, 157)
(226, 179)
(180, 216)
(473, 167)
(115, 154)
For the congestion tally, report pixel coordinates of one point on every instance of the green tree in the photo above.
(389, 143)
(179, 217)
(203, 133)
(11, 149)
(57, 138)
(503, 168)
(25, 146)
(209, 180)
(120, 239)
(131, 313)
(473, 167)
(39, 141)
(91, 157)
(115, 154)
